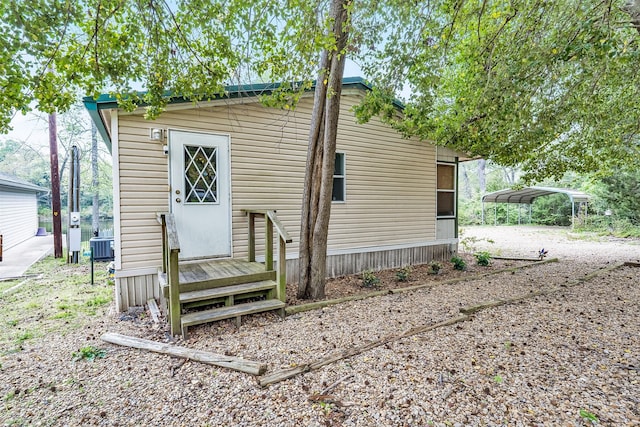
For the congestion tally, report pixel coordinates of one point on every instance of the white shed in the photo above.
(18, 210)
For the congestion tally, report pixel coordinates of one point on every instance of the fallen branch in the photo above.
(335, 384)
(282, 375)
(235, 363)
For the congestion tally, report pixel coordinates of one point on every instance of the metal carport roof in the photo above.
(529, 194)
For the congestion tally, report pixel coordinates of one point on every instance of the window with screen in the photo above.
(446, 194)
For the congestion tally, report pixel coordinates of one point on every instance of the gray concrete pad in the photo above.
(17, 259)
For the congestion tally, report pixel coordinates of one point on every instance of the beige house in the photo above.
(207, 163)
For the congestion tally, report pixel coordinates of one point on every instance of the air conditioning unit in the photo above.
(102, 248)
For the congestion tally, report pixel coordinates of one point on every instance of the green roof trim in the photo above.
(106, 101)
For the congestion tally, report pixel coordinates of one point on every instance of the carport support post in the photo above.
(495, 213)
(519, 213)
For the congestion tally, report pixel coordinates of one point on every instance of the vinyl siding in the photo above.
(390, 181)
(18, 216)
(143, 185)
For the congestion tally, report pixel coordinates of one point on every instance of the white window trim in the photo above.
(454, 191)
(344, 178)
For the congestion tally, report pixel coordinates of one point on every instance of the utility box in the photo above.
(75, 239)
(102, 248)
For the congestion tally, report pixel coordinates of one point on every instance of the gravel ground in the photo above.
(550, 360)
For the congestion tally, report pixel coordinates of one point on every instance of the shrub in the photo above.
(434, 267)
(458, 263)
(483, 258)
(369, 279)
(403, 274)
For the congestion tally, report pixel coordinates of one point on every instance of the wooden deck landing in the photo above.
(244, 287)
(215, 269)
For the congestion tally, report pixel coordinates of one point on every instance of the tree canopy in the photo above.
(552, 86)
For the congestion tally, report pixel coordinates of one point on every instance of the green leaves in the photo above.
(550, 86)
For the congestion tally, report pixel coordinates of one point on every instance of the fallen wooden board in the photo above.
(293, 309)
(285, 374)
(154, 310)
(235, 363)
(512, 258)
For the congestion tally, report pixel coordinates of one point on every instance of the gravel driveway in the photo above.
(558, 359)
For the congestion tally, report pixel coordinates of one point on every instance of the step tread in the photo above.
(225, 291)
(222, 313)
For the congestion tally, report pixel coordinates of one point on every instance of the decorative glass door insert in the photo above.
(201, 174)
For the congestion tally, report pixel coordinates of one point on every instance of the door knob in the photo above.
(178, 199)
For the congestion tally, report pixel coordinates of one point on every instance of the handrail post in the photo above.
(268, 243)
(282, 269)
(165, 253)
(252, 237)
(174, 294)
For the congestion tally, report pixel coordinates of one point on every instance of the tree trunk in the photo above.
(482, 176)
(95, 208)
(632, 7)
(466, 182)
(318, 188)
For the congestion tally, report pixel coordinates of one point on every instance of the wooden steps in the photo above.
(230, 281)
(227, 291)
(234, 311)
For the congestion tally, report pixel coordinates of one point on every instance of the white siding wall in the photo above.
(18, 216)
(390, 181)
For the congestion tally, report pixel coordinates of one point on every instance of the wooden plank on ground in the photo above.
(154, 310)
(285, 374)
(235, 363)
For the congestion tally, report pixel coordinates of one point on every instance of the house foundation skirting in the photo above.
(356, 262)
(136, 288)
(135, 291)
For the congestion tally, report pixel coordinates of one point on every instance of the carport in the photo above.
(526, 196)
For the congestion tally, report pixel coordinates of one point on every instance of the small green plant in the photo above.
(435, 267)
(26, 335)
(89, 353)
(483, 258)
(98, 300)
(9, 396)
(507, 345)
(498, 379)
(403, 274)
(588, 416)
(326, 407)
(369, 279)
(12, 322)
(458, 263)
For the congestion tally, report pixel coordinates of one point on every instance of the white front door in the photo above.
(200, 193)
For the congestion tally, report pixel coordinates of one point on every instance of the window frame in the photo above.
(452, 191)
(343, 177)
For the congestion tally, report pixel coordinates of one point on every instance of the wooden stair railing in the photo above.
(170, 251)
(271, 222)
